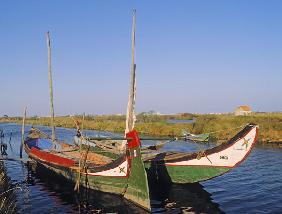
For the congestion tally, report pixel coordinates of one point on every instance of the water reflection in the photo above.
(165, 199)
(87, 201)
(181, 198)
(44, 191)
(7, 192)
(254, 187)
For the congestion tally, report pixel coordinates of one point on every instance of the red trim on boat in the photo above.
(135, 139)
(52, 158)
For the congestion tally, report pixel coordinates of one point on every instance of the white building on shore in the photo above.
(242, 110)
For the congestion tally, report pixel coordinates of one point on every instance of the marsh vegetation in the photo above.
(221, 127)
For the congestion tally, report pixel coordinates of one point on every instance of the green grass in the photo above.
(221, 127)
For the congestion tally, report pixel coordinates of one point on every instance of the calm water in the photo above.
(180, 121)
(254, 187)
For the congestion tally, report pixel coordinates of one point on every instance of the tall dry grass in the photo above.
(221, 127)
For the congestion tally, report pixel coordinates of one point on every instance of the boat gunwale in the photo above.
(91, 168)
(241, 134)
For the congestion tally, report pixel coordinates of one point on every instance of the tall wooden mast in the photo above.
(50, 86)
(130, 115)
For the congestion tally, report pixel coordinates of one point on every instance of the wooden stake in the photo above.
(51, 86)
(79, 163)
(23, 126)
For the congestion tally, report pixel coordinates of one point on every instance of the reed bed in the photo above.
(221, 127)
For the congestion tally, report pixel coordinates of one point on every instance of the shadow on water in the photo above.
(46, 192)
(168, 197)
(254, 187)
(186, 198)
(86, 201)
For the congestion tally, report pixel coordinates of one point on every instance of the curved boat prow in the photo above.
(125, 175)
(210, 163)
(138, 189)
(227, 155)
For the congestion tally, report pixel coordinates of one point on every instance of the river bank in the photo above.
(221, 127)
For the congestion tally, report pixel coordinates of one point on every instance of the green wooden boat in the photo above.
(197, 137)
(183, 167)
(187, 167)
(125, 175)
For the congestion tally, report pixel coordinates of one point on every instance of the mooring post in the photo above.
(23, 126)
(80, 156)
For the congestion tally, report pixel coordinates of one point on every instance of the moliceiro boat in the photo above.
(197, 137)
(180, 167)
(124, 175)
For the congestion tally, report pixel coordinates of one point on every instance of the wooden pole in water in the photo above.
(76, 188)
(23, 126)
(50, 86)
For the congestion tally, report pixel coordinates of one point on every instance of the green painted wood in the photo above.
(192, 174)
(134, 187)
(138, 189)
(184, 174)
(114, 185)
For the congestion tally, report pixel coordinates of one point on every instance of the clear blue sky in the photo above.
(192, 56)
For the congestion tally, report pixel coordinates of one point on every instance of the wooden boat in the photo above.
(124, 175)
(187, 167)
(183, 167)
(197, 137)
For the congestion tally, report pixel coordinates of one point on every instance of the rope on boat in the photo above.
(203, 154)
(127, 182)
(80, 169)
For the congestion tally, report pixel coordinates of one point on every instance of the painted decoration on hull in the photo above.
(119, 171)
(228, 157)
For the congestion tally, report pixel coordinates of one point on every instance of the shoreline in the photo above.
(220, 127)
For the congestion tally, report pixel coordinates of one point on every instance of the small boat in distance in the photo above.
(196, 137)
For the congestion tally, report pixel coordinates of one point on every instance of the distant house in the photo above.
(242, 110)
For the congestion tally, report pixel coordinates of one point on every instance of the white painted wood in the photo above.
(226, 158)
(119, 171)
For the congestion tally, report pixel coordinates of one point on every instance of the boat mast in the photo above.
(130, 115)
(50, 86)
